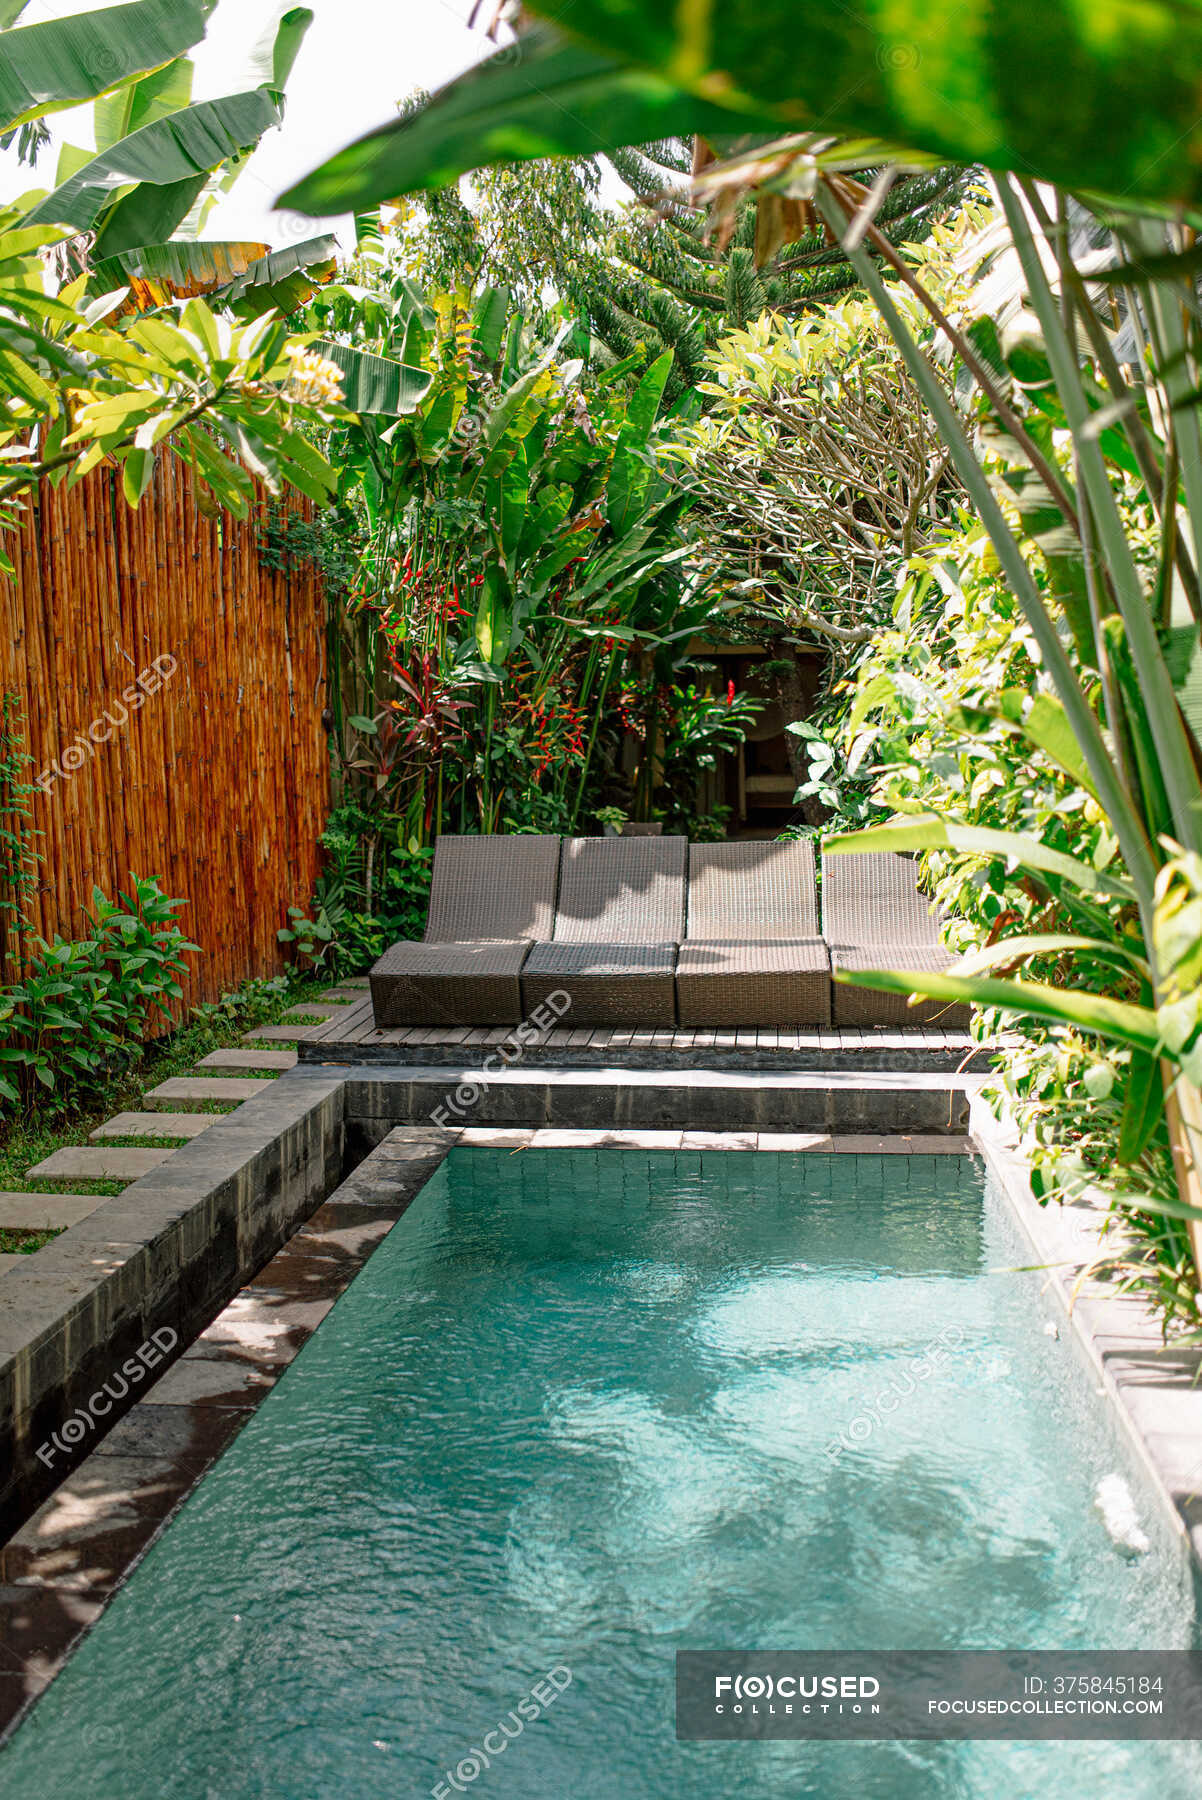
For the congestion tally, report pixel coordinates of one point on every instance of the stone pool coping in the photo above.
(1154, 1391)
(61, 1568)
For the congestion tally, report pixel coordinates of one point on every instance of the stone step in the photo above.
(248, 1059)
(274, 1034)
(189, 1092)
(46, 1212)
(866, 1104)
(9, 1261)
(153, 1124)
(82, 1161)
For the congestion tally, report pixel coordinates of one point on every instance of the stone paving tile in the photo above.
(500, 1137)
(85, 1161)
(718, 1140)
(295, 1276)
(263, 1329)
(9, 1260)
(153, 1124)
(856, 1144)
(557, 1138)
(268, 1034)
(47, 1212)
(940, 1146)
(338, 1230)
(210, 1381)
(248, 1059)
(190, 1436)
(85, 1535)
(183, 1090)
(38, 1625)
(793, 1140)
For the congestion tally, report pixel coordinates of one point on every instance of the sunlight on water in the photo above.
(584, 1408)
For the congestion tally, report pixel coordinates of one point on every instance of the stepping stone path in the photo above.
(248, 1059)
(46, 1212)
(82, 1161)
(187, 1092)
(154, 1124)
(171, 1113)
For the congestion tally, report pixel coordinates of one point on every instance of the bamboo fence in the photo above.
(172, 689)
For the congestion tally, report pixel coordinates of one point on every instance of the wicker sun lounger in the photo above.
(753, 954)
(874, 917)
(490, 899)
(618, 922)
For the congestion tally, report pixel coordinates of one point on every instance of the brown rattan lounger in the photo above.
(753, 954)
(618, 922)
(490, 899)
(875, 917)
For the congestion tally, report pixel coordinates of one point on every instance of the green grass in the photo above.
(23, 1243)
(131, 1142)
(51, 1126)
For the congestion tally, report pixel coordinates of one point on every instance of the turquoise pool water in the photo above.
(579, 1411)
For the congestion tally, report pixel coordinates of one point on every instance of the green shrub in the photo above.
(84, 1008)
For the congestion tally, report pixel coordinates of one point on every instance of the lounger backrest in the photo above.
(872, 897)
(489, 889)
(754, 892)
(621, 890)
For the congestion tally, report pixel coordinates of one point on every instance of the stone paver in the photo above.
(8, 1261)
(83, 1161)
(793, 1140)
(153, 1124)
(274, 1034)
(190, 1091)
(569, 1138)
(206, 1381)
(718, 1140)
(248, 1059)
(46, 1212)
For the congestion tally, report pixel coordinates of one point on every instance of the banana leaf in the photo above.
(936, 834)
(46, 67)
(1046, 943)
(284, 279)
(1060, 92)
(1114, 1019)
(550, 98)
(180, 150)
(375, 384)
(140, 102)
(159, 273)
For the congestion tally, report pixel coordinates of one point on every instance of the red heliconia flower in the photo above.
(730, 693)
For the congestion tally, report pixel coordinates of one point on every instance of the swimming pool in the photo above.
(581, 1409)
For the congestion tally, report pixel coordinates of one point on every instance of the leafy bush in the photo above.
(84, 1008)
(372, 891)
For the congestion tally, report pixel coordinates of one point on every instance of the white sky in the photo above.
(359, 59)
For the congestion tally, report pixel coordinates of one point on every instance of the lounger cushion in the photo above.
(607, 984)
(857, 1006)
(752, 892)
(734, 984)
(449, 984)
(873, 897)
(621, 891)
(499, 888)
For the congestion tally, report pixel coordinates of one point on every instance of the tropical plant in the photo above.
(83, 1008)
(520, 547)
(818, 472)
(1041, 99)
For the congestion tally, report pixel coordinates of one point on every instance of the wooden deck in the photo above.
(352, 1037)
